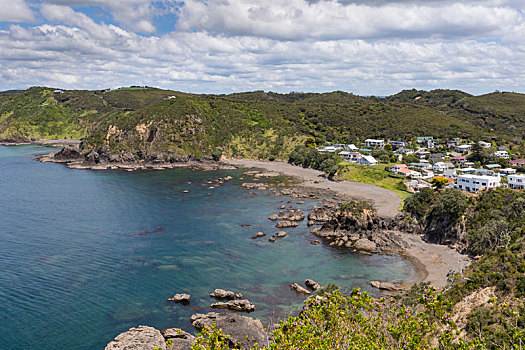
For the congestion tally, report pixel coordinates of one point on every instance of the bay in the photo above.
(85, 255)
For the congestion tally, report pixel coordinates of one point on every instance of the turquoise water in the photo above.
(82, 258)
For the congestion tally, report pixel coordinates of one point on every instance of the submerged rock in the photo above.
(235, 305)
(243, 330)
(140, 338)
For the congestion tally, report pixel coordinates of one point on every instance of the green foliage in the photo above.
(211, 339)
(311, 158)
(450, 203)
(419, 204)
(356, 207)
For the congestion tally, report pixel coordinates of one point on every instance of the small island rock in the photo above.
(180, 298)
(140, 338)
(298, 289)
(235, 305)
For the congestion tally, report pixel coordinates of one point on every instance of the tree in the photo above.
(439, 182)
(388, 147)
(310, 142)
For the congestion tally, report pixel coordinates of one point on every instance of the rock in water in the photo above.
(298, 289)
(235, 305)
(67, 153)
(274, 217)
(286, 223)
(244, 330)
(312, 284)
(281, 234)
(140, 338)
(180, 339)
(387, 286)
(180, 298)
(225, 294)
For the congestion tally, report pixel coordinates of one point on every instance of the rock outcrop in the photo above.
(224, 294)
(235, 305)
(286, 223)
(245, 331)
(298, 289)
(180, 298)
(67, 154)
(312, 284)
(140, 338)
(391, 287)
(180, 339)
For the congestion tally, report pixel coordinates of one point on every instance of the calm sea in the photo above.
(82, 258)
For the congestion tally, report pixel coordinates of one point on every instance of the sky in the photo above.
(368, 47)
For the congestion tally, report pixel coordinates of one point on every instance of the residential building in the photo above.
(374, 143)
(421, 166)
(367, 160)
(450, 173)
(351, 147)
(405, 150)
(493, 166)
(474, 183)
(484, 144)
(350, 156)
(501, 154)
(517, 162)
(516, 182)
(439, 167)
(463, 148)
(421, 153)
(454, 142)
(467, 170)
(427, 174)
(396, 167)
(330, 148)
(458, 159)
(502, 148)
(436, 157)
(425, 139)
(397, 144)
(507, 171)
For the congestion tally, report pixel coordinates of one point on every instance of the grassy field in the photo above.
(373, 175)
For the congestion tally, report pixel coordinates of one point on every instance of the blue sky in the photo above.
(375, 47)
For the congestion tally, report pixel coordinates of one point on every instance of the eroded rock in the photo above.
(235, 305)
(139, 338)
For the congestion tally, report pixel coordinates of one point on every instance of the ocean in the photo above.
(85, 255)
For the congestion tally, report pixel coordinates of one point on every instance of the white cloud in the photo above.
(15, 11)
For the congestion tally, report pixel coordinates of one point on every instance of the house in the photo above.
(501, 154)
(467, 170)
(439, 167)
(516, 182)
(484, 144)
(405, 150)
(454, 142)
(396, 167)
(463, 148)
(450, 173)
(507, 171)
(351, 147)
(409, 173)
(367, 150)
(436, 157)
(367, 160)
(350, 156)
(425, 139)
(421, 154)
(427, 174)
(502, 148)
(58, 92)
(493, 166)
(330, 148)
(397, 144)
(458, 159)
(374, 143)
(474, 183)
(517, 162)
(421, 166)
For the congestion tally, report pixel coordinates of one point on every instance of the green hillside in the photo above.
(258, 124)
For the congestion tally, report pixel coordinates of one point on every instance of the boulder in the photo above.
(281, 234)
(391, 287)
(67, 153)
(286, 223)
(298, 289)
(180, 339)
(235, 305)
(140, 338)
(319, 216)
(244, 330)
(224, 294)
(274, 217)
(253, 186)
(293, 216)
(364, 244)
(180, 298)
(312, 284)
(259, 235)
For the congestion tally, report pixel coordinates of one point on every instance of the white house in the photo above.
(427, 166)
(502, 154)
(474, 183)
(463, 148)
(405, 150)
(374, 143)
(516, 181)
(331, 148)
(350, 156)
(440, 167)
(484, 144)
(427, 174)
(351, 147)
(507, 171)
(396, 167)
(367, 160)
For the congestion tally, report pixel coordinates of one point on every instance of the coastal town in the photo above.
(429, 162)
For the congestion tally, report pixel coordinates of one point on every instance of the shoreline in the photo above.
(431, 262)
(42, 142)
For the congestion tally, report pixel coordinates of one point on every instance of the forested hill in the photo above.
(254, 124)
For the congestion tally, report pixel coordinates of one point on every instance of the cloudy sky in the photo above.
(374, 47)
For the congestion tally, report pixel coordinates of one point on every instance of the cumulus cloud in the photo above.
(15, 11)
(330, 19)
(377, 47)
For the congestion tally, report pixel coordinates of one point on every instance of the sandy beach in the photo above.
(432, 261)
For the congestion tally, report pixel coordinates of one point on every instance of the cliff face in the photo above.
(441, 230)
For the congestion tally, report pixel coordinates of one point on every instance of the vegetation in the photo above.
(311, 158)
(373, 175)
